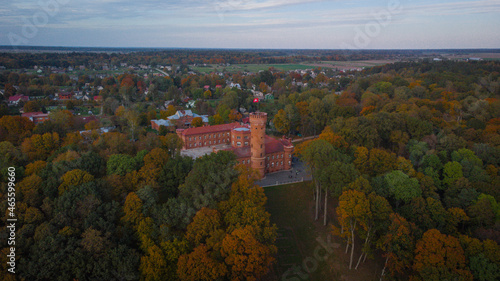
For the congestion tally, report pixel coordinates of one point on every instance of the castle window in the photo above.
(281, 163)
(205, 137)
(273, 157)
(248, 161)
(200, 143)
(214, 136)
(246, 137)
(272, 164)
(267, 157)
(189, 138)
(289, 155)
(205, 143)
(289, 163)
(190, 145)
(210, 142)
(233, 142)
(238, 143)
(194, 144)
(246, 143)
(228, 134)
(238, 137)
(281, 155)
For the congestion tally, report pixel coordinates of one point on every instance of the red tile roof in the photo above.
(273, 145)
(241, 152)
(17, 97)
(209, 129)
(34, 114)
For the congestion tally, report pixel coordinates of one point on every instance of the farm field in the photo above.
(340, 65)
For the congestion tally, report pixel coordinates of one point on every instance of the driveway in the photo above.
(298, 173)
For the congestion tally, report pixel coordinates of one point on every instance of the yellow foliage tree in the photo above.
(153, 265)
(74, 178)
(35, 167)
(197, 122)
(199, 265)
(132, 209)
(246, 257)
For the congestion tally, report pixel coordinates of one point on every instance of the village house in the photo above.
(15, 100)
(181, 119)
(36, 117)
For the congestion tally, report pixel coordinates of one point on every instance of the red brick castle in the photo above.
(250, 143)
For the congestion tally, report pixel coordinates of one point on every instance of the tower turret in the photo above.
(257, 143)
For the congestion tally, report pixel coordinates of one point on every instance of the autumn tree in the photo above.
(200, 265)
(74, 178)
(245, 257)
(440, 257)
(353, 213)
(197, 122)
(15, 128)
(281, 122)
(39, 147)
(398, 244)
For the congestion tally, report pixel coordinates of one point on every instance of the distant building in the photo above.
(181, 119)
(14, 100)
(36, 117)
(249, 143)
(64, 95)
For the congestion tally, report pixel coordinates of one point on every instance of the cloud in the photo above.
(455, 8)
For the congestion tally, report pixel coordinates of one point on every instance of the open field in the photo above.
(341, 65)
(348, 65)
(485, 56)
(248, 67)
(300, 240)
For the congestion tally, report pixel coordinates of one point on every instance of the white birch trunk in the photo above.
(352, 246)
(326, 201)
(383, 270)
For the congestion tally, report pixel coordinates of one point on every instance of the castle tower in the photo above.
(288, 156)
(257, 141)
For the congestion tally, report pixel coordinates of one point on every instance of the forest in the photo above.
(408, 156)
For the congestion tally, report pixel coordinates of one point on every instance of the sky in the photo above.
(287, 24)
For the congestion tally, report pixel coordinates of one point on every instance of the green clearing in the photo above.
(291, 210)
(249, 67)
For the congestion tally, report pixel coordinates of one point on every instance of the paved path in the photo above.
(299, 174)
(304, 139)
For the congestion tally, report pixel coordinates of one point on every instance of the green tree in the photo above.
(402, 187)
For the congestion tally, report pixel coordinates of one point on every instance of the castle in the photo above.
(249, 143)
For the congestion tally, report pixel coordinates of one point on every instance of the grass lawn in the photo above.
(292, 210)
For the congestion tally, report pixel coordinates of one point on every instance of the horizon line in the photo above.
(13, 47)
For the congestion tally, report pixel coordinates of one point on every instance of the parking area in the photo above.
(298, 173)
